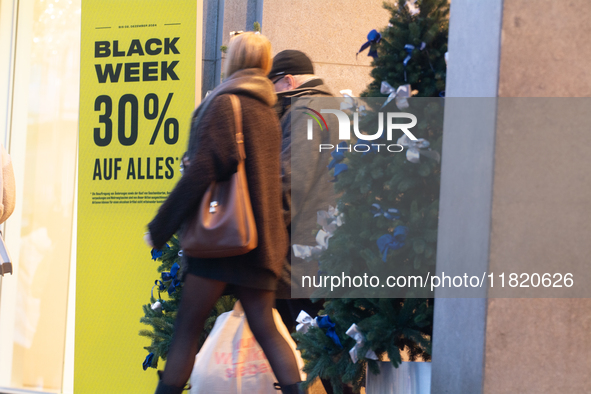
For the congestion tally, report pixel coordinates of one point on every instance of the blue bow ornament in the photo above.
(390, 213)
(324, 322)
(172, 277)
(392, 241)
(148, 361)
(373, 38)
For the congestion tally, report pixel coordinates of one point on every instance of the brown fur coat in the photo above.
(214, 156)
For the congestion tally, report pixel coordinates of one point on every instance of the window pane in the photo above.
(48, 52)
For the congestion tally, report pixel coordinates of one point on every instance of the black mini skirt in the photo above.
(232, 272)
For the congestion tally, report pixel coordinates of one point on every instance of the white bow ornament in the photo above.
(415, 149)
(413, 7)
(157, 306)
(401, 94)
(350, 104)
(329, 220)
(306, 322)
(354, 333)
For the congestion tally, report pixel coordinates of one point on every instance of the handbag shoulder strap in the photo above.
(238, 122)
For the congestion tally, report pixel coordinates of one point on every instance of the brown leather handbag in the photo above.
(224, 225)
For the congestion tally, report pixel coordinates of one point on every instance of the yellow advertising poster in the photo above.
(137, 92)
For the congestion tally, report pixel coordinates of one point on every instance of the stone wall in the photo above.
(330, 32)
(515, 193)
(541, 198)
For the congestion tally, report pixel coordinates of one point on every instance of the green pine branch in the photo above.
(161, 320)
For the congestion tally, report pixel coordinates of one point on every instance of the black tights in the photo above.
(199, 297)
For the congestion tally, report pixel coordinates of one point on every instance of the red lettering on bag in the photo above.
(229, 372)
(249, 369)
(222, 358)
(239, 359)
(245, 343)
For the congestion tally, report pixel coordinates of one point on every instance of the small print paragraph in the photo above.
(129, 197)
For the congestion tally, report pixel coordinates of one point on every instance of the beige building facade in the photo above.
(330, 32)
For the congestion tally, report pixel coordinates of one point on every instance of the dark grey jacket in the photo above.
(306, 186)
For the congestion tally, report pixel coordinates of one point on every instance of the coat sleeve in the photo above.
(215, 159)
(302, 163)
(286, 167)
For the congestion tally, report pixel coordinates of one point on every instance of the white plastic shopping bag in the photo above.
(232, 362)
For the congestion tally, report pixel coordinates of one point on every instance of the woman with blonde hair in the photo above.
(213, 156)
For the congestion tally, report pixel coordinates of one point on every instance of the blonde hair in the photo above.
(248, 50)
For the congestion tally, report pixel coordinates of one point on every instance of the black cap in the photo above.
(291, 62)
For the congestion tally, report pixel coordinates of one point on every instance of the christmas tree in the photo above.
(389, 205)
(161, 312)
(422, 24)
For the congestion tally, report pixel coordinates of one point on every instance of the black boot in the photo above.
(291, 389)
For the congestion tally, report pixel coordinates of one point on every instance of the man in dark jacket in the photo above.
(293, 77)
(306, 189)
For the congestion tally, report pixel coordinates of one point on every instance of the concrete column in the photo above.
(466, 191)
(508, 198)
(220, 18)
(213, 21)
